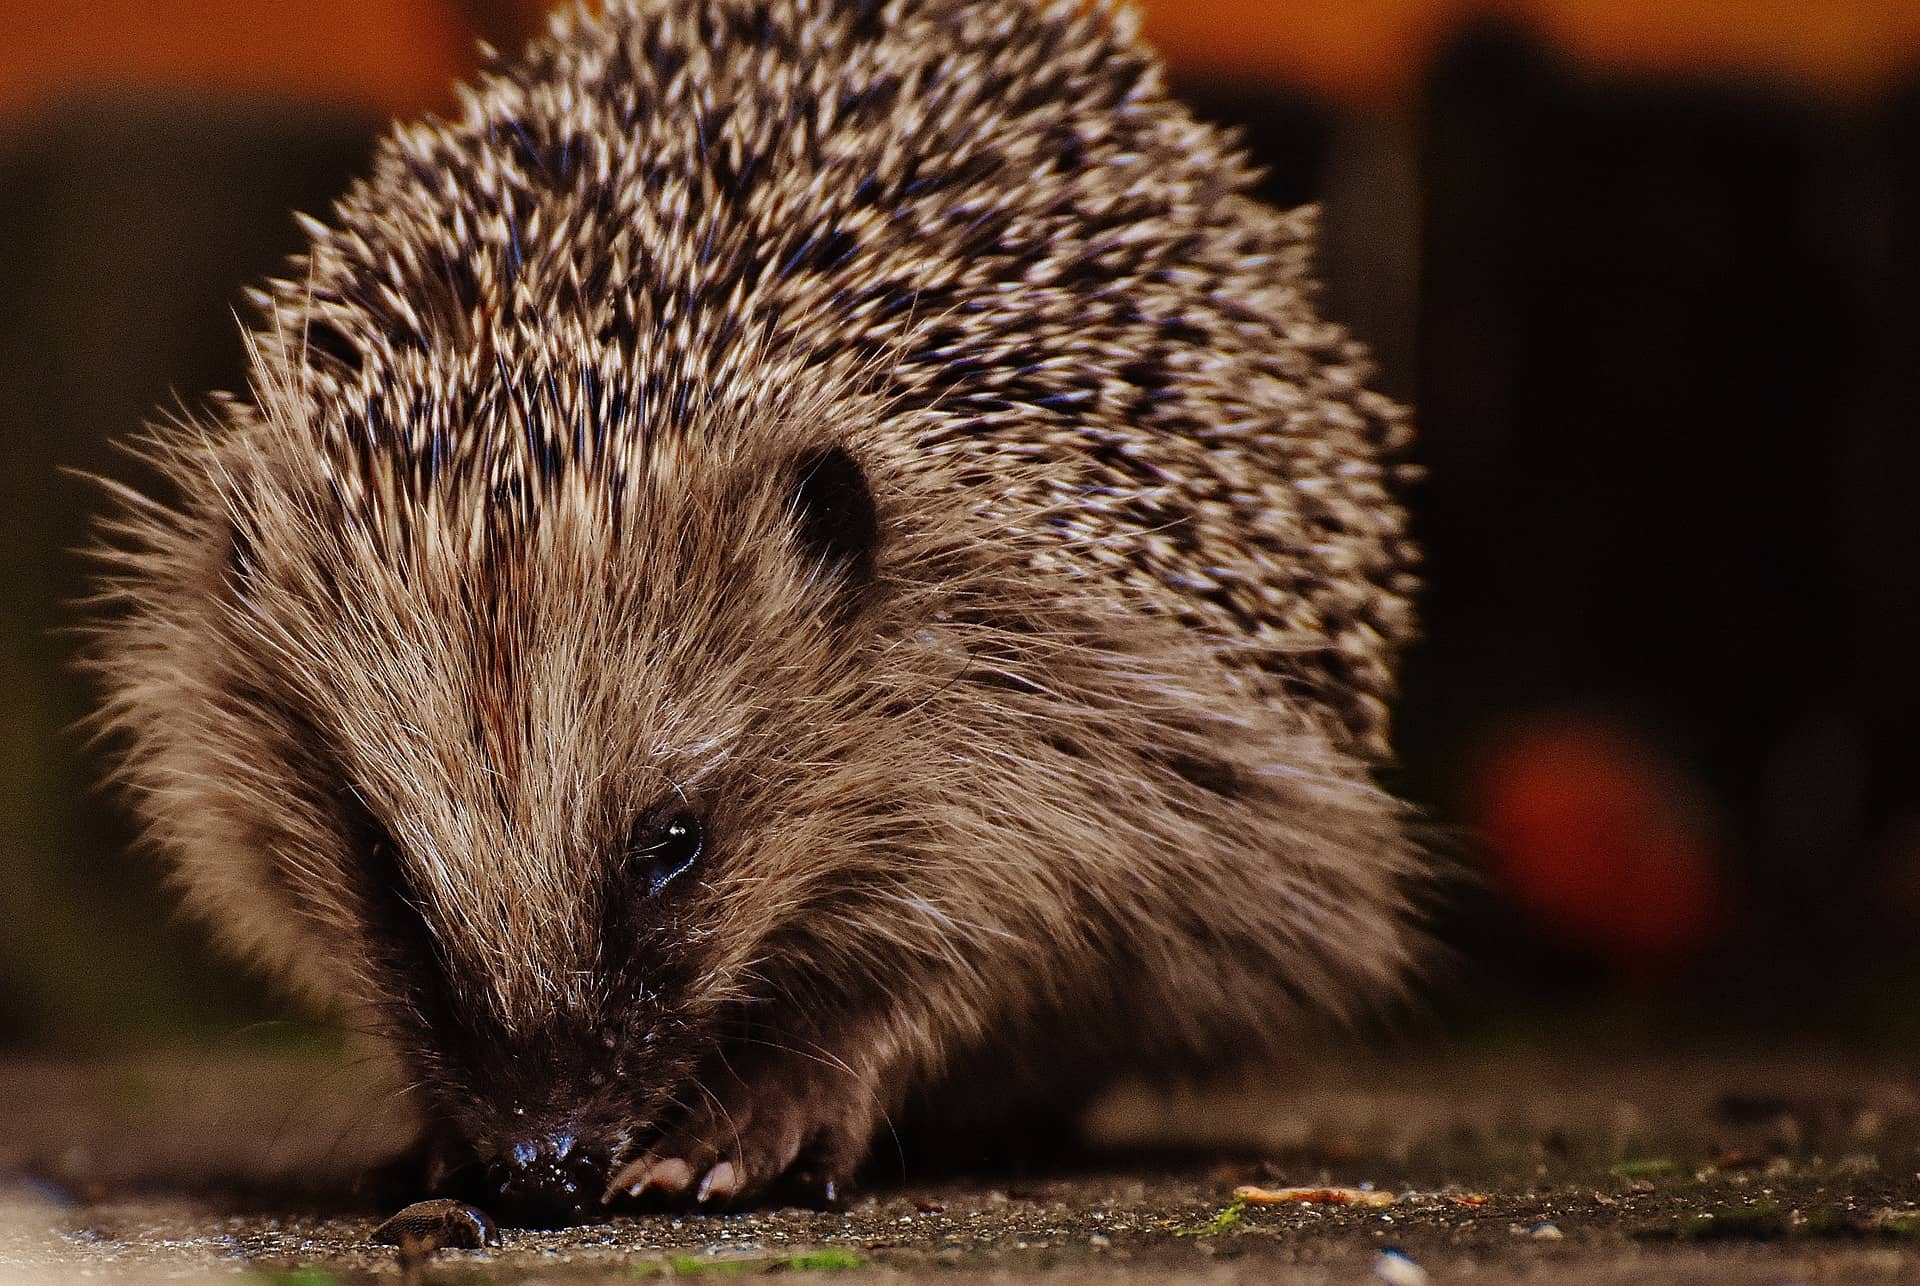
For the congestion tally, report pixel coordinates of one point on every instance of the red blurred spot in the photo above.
(1603, 840)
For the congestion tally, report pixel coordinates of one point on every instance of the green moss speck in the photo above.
(307, 1276)
(1828, 1222)
(830, 1260)
(1225, 1221)
(827, 1260)
(1762, 1222)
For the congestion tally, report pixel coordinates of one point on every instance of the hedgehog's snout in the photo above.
(549, 1180)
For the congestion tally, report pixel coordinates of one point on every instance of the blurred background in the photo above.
(1649, 270)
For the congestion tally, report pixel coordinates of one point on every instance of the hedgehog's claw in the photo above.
(721, 1183)
(669, 1175)
(750, 1132)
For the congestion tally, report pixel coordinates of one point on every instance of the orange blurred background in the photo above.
(399, 56)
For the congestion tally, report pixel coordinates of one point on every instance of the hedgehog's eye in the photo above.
(666, 846)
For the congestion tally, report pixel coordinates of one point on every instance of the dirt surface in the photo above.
(1518, 1165)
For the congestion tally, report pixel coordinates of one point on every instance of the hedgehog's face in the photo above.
(551, 798)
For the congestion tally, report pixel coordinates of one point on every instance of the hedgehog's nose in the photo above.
(548, 1182)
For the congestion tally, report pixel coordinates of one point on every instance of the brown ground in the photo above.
(1509, 1166)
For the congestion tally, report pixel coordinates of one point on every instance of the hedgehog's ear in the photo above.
(834, 517)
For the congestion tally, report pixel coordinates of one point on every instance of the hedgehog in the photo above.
(796, 565)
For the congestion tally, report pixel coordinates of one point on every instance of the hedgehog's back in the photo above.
(699, 216)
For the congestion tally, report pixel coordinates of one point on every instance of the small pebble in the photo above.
(1395, 1269)
(427, 1226)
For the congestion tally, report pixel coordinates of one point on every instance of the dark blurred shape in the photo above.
(130, 225)
(1671, 468)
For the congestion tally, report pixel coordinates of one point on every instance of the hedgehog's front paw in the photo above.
(738, 1144)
